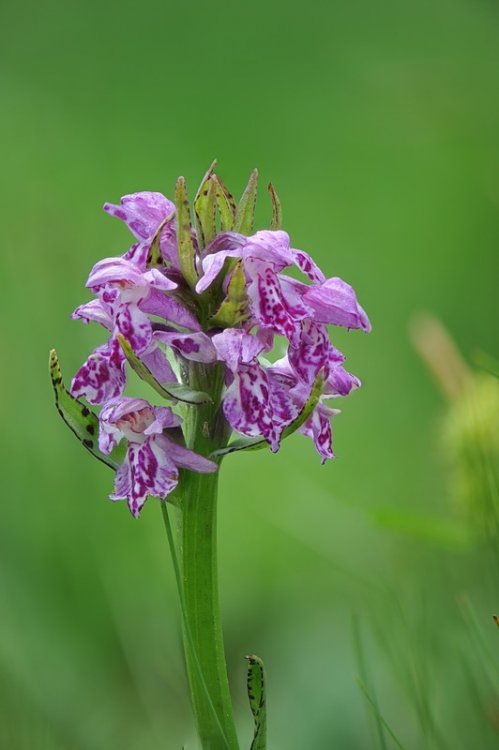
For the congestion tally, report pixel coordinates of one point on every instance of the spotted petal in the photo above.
(102, 376)
(247, 406)
(195, 346)
(147, 470)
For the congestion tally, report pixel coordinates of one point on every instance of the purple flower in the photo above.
(296, 385)
(126, 297)
(183, 333)
(152, 460)
(248, 402)
(144, 213)
(277, 301)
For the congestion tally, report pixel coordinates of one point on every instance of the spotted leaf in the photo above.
(276, 209)
(226, 205)
(79, 418)
(255, 681)
(185, 244)
(234, 308)
(245, 212)
(204, 208)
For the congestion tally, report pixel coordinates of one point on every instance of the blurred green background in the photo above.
(378, 123)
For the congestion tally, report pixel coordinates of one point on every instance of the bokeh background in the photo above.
(367, 585)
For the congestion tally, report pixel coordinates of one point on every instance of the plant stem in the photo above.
(205, 431)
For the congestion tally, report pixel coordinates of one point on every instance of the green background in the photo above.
(377, 123)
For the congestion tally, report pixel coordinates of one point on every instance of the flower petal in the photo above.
(195, 346)
(271, 247)
(93, 311)
(102, 377)
(235, 346)
(156, 361)
(168, 308)
(335, 302)
(184, 457)
(163, 418)
(151, 472)
(212, 265)
(134, 325)
(268, 303)
(142, 212)
(308, 266)
(247, 405)
(318, 427)
(312, 352)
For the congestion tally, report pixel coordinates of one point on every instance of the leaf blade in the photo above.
(169, 391)
(255, 681)
(234, 308)
(226, 205)
(185, 244)
(245, 212)
(79, 418)
(276, 222)
(205, 208)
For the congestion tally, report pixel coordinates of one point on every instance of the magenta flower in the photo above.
(186, 305)
(277, 301)
(152, 459)
(145, 214)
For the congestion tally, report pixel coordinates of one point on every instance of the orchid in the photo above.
(200, 312)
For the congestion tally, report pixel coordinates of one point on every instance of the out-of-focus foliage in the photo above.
(377, 124)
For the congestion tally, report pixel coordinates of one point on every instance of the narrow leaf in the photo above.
(245, 212)
(79, 418)
(234, 308)
(254, 444)
(226, 205)
(170, 391)
(204, 207)
(256, 692)
(276, 209)
(185, 244)
(154, 257)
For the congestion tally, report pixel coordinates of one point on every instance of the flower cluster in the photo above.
(213, 295)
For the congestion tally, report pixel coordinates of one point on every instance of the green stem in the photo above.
(205, 431)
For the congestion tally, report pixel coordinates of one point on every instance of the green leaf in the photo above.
(154, 257)
(254, 444)
(256, 692)
(79, 418)
(226, 205)
(186, 250)
(234, 308)
(245, 212)
(276, 209)
(170, 391)
(204, 207)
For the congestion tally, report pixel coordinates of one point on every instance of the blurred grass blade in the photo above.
(361, 665)
(204, 208)
(170, 391)
(185, 244)
(256, 694)
(79, 418)
(234, 308)
(245, 212)
(226, 205)
(254, 444)
(378, 716)
(276, 209)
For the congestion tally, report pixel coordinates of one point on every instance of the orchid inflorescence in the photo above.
(209, 295)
